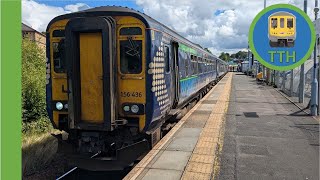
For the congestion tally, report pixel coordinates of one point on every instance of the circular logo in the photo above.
(282, 37)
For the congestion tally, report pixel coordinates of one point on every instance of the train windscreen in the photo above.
(131, 56)
(290, 23)
(59, 57)
(274, 22)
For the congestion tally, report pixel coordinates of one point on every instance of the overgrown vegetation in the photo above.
(38, 146)
(37, 152)
(34, 116)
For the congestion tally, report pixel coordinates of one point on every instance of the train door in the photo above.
(175, 74)
(91, 80)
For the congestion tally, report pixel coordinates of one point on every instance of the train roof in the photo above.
(118, 10)
(281, 13)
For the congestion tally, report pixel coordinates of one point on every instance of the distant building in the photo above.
(34, 35)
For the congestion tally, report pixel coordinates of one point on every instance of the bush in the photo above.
(33, 81)
(39, 126)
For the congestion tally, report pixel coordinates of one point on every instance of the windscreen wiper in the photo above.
(133, 48)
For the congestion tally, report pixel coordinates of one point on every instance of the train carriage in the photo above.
(282, 29)
(114, 76)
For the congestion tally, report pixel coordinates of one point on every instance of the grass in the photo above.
(38, 146)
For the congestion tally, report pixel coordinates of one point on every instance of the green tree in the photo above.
(225, 56)
(33, 81)
(241, 55)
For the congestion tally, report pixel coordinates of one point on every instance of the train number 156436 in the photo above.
(131, 94)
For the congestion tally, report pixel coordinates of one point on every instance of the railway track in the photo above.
(76, 173)
(70, 173)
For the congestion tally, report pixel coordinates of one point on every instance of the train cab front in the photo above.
(96, 89)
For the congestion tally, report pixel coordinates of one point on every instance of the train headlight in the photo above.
(126, 108)
(59, 106)
(66, 106)
(135, 108)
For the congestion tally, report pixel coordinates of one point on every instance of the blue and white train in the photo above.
(114, 78)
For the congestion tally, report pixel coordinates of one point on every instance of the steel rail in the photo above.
(75, 168)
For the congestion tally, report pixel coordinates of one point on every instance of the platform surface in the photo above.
(281, 142)
(239, 130)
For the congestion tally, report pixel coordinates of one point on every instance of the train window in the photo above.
(207, 65)
(193, 58)
(200, 68)
(131, 56)
(274, 22)
(130, 31)
(187, 67)
(195, 68)
(166, 56)
(182, 65)
(58, 33)
(192, 68)
(290, 22)
(59, 57)
(281, 22)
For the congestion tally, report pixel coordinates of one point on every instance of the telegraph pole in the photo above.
(314, 85)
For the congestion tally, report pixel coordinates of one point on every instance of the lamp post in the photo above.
(263, 68)
(302, 77)
(249, 60)
(268, 71)
(314, 84)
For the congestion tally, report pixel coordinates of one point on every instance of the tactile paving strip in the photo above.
(188, 175)
(202, 163)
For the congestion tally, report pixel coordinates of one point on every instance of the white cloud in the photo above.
(38, 15)
(219, 25)
(196, 20)
(76, 7)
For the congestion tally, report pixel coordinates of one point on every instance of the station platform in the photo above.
(239, 130)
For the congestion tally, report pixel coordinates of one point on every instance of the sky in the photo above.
(220, 25)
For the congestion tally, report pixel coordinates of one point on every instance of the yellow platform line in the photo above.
(138, 169)
(203, 163)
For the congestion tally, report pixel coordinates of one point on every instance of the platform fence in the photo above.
(289, 83)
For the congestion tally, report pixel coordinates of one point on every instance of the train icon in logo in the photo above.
(282, 30)
(282, 37)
